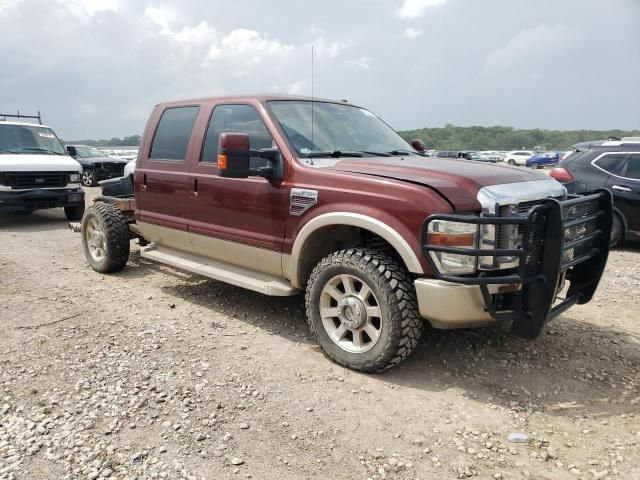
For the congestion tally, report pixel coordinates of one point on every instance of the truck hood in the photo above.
(37, 163)
(459, 181)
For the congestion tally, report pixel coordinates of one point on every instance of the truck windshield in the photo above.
(317, 129)
(89, 152)
(29, 139)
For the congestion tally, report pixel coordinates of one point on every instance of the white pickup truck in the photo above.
(36, 172)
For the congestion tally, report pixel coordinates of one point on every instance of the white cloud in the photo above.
(243, 40)
(415, 8)
(160, 16)
(412, 32)
(300, 87)
(361, 62)
(531, 46)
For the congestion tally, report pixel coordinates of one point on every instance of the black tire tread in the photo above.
(117, 233)
(391, 276)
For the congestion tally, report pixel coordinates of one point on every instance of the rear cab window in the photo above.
(173, 133)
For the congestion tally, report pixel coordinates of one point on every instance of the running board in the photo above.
(225, 272)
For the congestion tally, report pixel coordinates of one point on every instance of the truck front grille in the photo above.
(26, 180)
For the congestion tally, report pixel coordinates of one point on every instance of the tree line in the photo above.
(451, 137)
(130, 141)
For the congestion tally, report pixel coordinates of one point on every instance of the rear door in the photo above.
(626, 191)
(162, 177)
(237, 220)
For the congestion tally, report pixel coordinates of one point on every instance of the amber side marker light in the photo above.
(222, 162)
(441, 239)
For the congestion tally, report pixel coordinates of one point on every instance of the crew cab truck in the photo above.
(36, 172)
(284, 195)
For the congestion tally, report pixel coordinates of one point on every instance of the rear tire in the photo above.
(105, 238)
(349, 285)
(535, 165)
(74, 213)
(512, 162)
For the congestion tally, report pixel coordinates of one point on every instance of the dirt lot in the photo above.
(154, 373)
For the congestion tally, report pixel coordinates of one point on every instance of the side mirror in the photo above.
(71, 151)
(234, 153)
(418, 145)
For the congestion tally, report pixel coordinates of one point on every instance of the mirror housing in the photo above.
(72, 151)
(418, 145)
(234, 153)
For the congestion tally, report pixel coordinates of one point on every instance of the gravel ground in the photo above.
(155, 373)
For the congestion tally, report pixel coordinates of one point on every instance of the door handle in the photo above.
(194, 187)
(142, 187)
(620, 189)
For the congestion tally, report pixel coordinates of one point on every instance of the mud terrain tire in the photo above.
(390, 286)
(105, 238)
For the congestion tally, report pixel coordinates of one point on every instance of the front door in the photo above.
(626, 191)
(237, 220)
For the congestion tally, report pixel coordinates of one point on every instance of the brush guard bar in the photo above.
(561, 240)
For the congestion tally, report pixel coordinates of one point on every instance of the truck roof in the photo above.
(261, 97)
(6, 122)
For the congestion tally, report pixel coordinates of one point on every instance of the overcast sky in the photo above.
(96, 68)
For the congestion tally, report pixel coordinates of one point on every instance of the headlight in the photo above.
(446, 233)
(74, 178)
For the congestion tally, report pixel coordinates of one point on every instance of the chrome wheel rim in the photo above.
(350, 313)
(95, 240)
(87, 177)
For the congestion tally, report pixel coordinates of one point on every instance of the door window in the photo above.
(612, 163)
(173, 134)
(633, 168)
(236, 119)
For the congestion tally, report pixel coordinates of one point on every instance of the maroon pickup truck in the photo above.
(283, 195)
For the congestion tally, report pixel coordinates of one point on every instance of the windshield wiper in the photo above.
(334, 154)
(38, 149)
(401, 152)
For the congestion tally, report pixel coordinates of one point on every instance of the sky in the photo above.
(95, 69)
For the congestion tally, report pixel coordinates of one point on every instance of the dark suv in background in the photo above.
(614, 165)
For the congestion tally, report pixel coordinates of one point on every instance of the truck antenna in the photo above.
(312, 96)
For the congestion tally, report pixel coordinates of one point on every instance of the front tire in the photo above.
(105, 238)
(89, 178)
(617, 231)
(362, 310)
(74, 213)
(512, 162)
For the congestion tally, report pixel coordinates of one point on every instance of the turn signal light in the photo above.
(222, 162)
(442, 239)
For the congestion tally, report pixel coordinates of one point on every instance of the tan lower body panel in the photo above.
(243, 265)
(246, 256)
(451, 305)
(225, 272)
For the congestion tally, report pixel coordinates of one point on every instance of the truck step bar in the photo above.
(225, 272)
